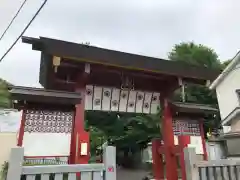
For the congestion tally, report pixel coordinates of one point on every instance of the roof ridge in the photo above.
(226, 71)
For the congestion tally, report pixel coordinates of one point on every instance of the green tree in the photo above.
(194, 54)
(226, 63)
(198, 55)
(130, 133)
(4, 94)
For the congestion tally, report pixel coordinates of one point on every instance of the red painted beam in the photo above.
(183, 142)
(176, 150)
(205, 155)
(158, 165)
(21, 129)
(79, 135)
(168, 138)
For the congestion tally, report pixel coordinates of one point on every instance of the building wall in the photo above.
(233, 146)
(215, 150)
(226, 93)
(7, 141)
(235, 125)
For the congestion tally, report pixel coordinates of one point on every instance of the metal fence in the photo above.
(98, 171)
(223, 169)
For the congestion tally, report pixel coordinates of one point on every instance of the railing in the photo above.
(100, 171)
(42, 161)
(210, 170)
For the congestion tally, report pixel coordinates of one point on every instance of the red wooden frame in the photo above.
(158, 166)
(183, 142)
(79, 135)
(21, 129)
(205, 155)
(170, 150)
(168, 138)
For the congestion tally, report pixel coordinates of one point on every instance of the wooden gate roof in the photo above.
(110, 58)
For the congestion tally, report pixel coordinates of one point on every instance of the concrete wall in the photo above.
(233, 146)
(7, 141)
(226, 93)
(235, 125)
(216, 150)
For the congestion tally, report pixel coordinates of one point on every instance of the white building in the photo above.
(227, 86)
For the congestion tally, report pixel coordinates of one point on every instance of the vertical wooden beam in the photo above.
(79, 135)
(168, 138)
(158, 166)
(21, 129)
(205, 155)
(183, 140)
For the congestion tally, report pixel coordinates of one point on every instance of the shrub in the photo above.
(4, 169)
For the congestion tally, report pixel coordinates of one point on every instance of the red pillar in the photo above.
(205, 156)
(79, 135)
(183, 141)
(168, 138)
(158, 167)
(21, 129)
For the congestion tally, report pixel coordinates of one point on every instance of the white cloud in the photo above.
(149, 27)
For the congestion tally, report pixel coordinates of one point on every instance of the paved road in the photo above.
(123, 174)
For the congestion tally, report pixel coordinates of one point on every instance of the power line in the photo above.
(15, 42)
(19, 10)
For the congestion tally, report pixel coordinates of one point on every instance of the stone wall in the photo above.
(7, 141)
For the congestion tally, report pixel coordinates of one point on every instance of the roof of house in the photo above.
(231, 116)
(226, 71)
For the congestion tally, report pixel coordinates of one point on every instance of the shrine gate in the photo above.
(115, 81)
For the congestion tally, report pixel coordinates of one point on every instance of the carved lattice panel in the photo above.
(113, 99)
(186, 127)
(43, 121)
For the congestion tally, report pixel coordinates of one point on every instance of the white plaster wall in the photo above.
(226, 93)
(235, 125)
(46, 144)
(36, 144)
(215, 150)
(7, 141)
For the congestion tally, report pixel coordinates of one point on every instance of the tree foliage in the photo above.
(226, 63)
(127, 131)
(195, 54)
(4, 94)
(199, 55)
(130, 133)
